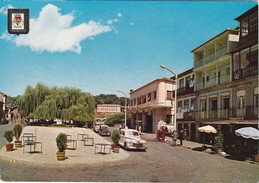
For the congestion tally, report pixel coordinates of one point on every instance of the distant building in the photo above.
(2, 105)
(104, 110)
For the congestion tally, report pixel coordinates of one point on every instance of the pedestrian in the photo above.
(163, 132)
(174, 138)
(181, 137)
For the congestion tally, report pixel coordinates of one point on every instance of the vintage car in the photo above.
(104, 130)
(130, 139)
(97, 125)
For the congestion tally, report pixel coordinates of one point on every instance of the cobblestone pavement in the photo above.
(160, 163)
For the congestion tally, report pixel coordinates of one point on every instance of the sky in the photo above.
(104, 46)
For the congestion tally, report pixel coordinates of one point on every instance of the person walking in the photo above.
(163, 133)
(181, 137)
(174, 138)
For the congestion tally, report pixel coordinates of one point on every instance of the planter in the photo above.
(9, 147)
(256, 157)
(18, 143)
(60, 156)
(116, 150)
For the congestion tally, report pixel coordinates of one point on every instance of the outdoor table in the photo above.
(32, 143)
(28, 137)
(74, 142)
(103, 147)
(89, 139)
(83, 136)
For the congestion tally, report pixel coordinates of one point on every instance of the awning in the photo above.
(232, 122)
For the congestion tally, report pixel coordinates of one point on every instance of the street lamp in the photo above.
(125, 107)
(175, 94)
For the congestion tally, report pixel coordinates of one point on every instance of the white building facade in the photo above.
(151, 103)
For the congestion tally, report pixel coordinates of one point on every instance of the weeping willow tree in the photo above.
(67, 103)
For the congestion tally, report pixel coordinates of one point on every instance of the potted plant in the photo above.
(218, 142)
(8, 134)
(61, 141)
(17, 133)
(115, 139)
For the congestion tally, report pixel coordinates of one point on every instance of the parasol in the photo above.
(248, 132)
(207, 129)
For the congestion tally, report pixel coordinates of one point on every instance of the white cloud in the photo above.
(132, 23)
(3, 10)
(54, 32)
(119, 14)
(6, 36)
(110, 22)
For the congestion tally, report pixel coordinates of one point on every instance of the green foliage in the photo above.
(8, 134)
(17, 131)
(43, 102)
(115, 137)
(110, 99)
(61, 141)
(218, 141)
(117, 118)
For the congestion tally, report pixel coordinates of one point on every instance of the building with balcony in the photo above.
(151, 103)
(186, 104)
(212, 66)
(245, 67)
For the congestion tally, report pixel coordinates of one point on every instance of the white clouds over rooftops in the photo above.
(54, 32)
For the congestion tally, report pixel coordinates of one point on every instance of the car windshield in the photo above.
(99, 123)
(132, 133)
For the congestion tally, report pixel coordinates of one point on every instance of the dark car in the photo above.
(104, 130)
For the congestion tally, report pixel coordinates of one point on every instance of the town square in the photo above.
(129, 91)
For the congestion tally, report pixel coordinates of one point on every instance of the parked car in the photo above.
(97, 125)
(130, 139)
(104, 130)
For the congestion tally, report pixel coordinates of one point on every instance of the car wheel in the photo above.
(125, 146)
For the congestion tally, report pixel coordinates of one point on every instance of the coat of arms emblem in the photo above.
(17, 19)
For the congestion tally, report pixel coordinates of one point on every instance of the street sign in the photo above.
(18, 21)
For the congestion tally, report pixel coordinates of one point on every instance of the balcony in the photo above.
(250, 112)
(185, 90)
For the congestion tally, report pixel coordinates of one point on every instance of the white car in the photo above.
(130, 139)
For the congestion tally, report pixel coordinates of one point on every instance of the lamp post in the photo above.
(125, 110)
(175, 92)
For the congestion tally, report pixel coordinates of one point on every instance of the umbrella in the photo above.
(248, 132)
(160, 124)
(207, 129)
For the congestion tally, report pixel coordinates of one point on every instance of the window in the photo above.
(244, 58)
(241, 101)
(154, 94)
(180, 105)
(244, 27)
(186, 104)
(144, 99)
(181, 83)
(169, 94)
(236, 61)
(148, 96)
(193, 101)
(203, 81)
(187, 81)
(253, 22)
(256, 100)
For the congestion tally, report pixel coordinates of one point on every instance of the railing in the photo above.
(210, 58)
(185, 90)
(221, 52)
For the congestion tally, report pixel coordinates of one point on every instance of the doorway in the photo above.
(149, 118)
